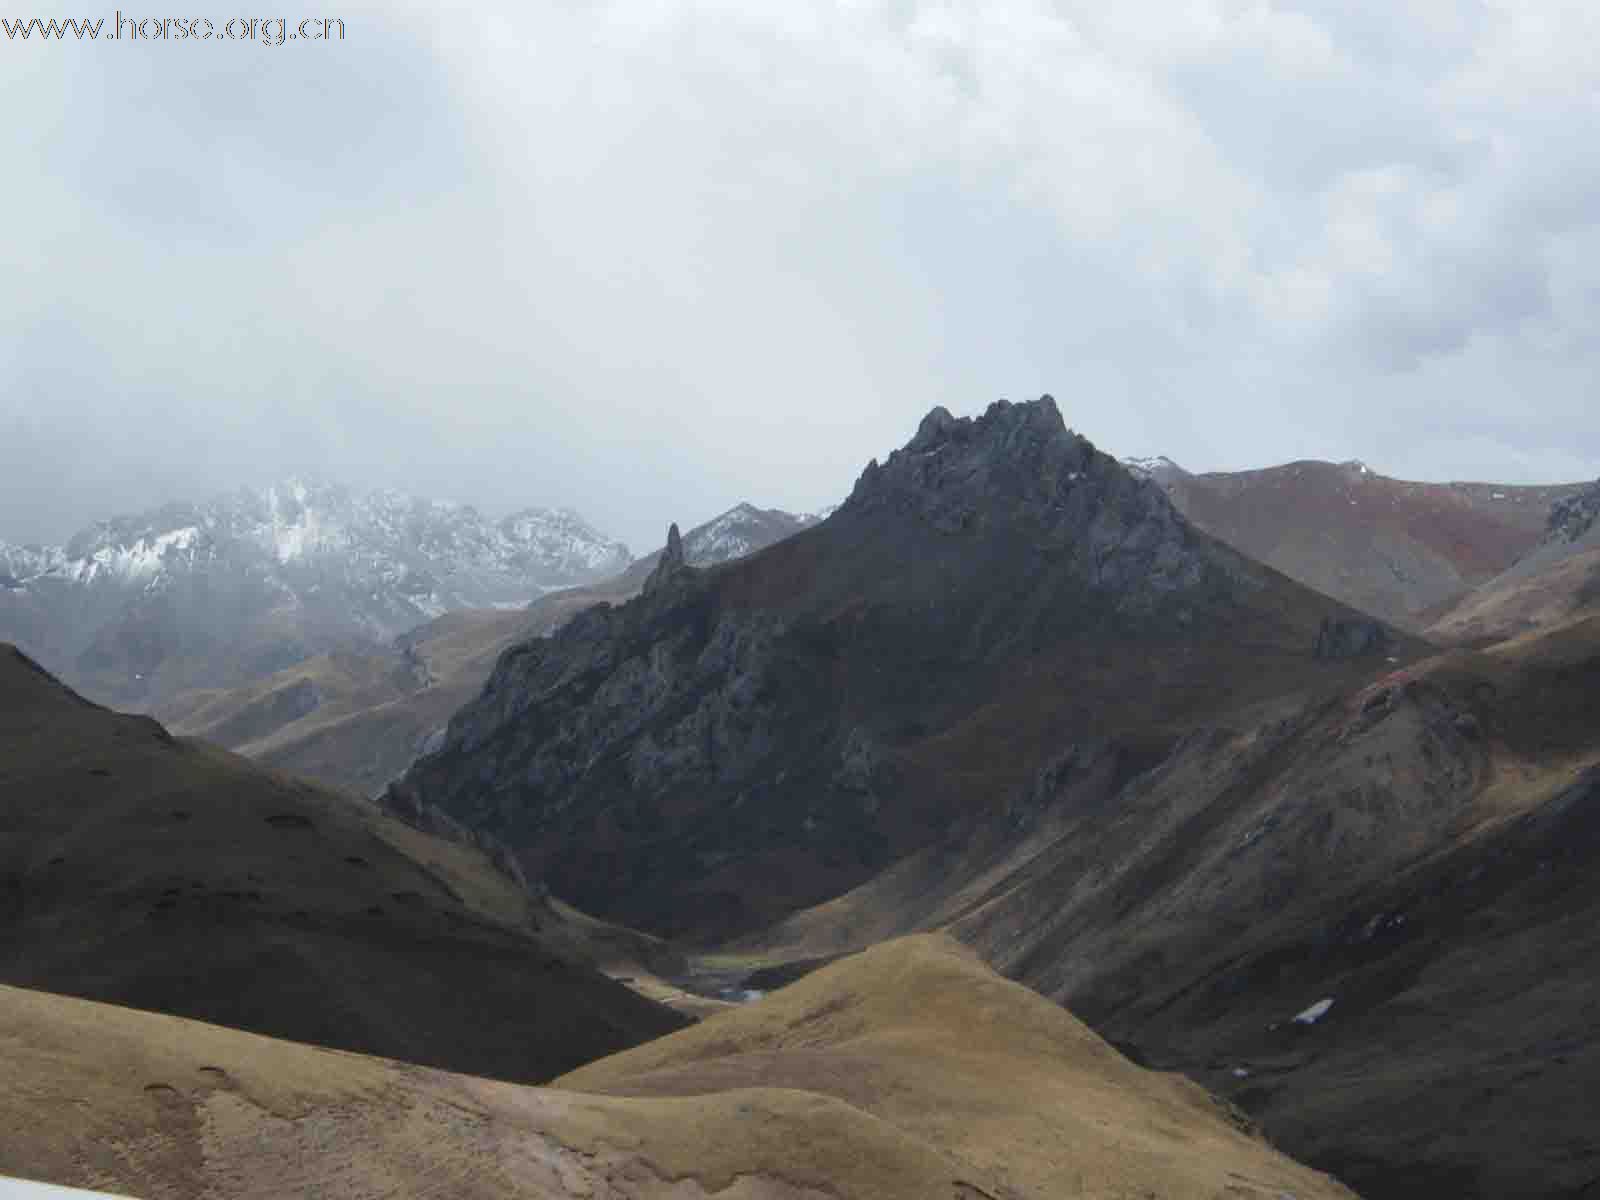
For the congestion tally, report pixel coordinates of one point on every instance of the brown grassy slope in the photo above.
(169, 875)
(909, 1074)
(171, 1109)
(1393, 548)
(1514, 603)
(918, 1033)
(1422, 850)
(373, 711)
(355, 720)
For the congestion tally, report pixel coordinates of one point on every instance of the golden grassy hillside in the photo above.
(1019, 1093)
(907, 1073)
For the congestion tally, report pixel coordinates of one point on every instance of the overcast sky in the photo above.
(647, 259)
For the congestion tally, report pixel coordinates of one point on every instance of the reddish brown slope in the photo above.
(1393, 548)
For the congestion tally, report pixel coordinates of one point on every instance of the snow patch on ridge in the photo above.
(1315, 1012)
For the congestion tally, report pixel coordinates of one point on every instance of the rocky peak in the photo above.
(1575, 516)
(1018, 466)
(670, 565)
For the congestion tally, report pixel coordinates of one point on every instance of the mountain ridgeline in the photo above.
(1400, 550)
(741, 741)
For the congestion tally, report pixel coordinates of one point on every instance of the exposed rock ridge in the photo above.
(671, 564)
(1573, 517)
(1020, 464)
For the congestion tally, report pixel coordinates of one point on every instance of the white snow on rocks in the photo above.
(1315, 1013)
(23, 1189)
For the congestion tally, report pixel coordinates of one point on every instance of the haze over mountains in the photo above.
(708, 809)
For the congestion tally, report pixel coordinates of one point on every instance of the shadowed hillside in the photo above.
(1422, 853)
(165, 874)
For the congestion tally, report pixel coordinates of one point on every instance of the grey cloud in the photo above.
(649, 261)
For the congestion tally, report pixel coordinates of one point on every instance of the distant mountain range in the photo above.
(357, 718)
(139, 608)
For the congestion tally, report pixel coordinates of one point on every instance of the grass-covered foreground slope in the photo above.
(910, 1072)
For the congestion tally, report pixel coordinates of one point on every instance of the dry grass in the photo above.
(919, 1034)
(911, 1073)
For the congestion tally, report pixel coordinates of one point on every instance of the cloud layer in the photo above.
(648, 259)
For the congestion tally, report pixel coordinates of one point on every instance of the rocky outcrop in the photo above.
(403, 804)
(1573, 517)
(1018, 466)
(670, 565)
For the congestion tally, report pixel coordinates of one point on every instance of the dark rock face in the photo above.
(670, 565)
(1338, 639)
(1019, 465)
(745, 739)
(1574, 517)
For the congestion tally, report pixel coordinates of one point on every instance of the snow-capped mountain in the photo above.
(1158, 467)
(260, 578)
(742, 530)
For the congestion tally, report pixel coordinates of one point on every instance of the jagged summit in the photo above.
(1018, 467)
(1574, 516)
(670, 565)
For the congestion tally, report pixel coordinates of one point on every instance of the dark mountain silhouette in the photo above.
(741, 741)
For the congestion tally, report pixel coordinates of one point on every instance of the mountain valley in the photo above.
(816, 855)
